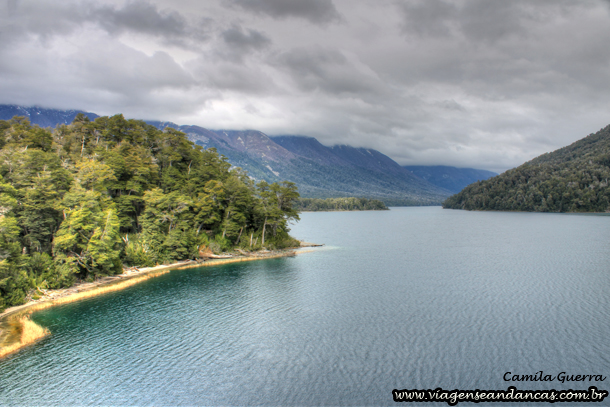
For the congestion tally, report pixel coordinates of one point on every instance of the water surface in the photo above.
(407, 298)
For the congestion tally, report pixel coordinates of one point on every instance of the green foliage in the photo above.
(84, 200)
(13, 280)
(138, 252)
(89, 235)
(220, 244)
(571, 179)
(340, 204)
(41, 270)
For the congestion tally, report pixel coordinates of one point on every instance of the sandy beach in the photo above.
(18, 331)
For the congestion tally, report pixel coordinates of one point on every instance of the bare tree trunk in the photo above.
(264, 226)
(238, 237)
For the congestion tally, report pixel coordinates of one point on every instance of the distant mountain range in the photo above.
(451, 178)
(42, 117)
(571, 179)
(318, 170)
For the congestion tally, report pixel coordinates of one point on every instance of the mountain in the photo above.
(251, 150)
(318, 170)
(571, 179)
(349, 171)
(451, 178)
(42, 117)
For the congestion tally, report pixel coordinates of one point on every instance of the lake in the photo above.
(411, 298)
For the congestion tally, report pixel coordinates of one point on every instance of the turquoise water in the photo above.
(406, 298)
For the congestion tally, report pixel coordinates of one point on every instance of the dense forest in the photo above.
(571, 179)
(339, 204)
(88, 198)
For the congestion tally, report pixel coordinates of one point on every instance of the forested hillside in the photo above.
(339, 204)
(318, 171)
(571, 179)
(84, 200)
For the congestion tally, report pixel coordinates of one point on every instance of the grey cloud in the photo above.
(480, 20)
(11, 7)
(428, 17)
(464, 82)
(98, 74)
(140, 17)
(136, 73)
(236, 38)
(145, 18)
(238, 78)
(504, 49)
(46, 19)
(237, 43)
(225, 75)
(315, 11)
(24, 20)
(326, 70)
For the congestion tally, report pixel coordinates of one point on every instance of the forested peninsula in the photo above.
(339, 204)
(90, 198)
(571, 179)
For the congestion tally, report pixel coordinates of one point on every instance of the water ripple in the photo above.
(426, 298)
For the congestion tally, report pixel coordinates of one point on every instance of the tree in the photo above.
(87, 243)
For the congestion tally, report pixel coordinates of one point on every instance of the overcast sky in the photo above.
(474, 83)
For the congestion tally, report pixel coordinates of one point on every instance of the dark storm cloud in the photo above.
(315, 11)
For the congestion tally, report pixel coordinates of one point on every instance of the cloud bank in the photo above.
(471, 83)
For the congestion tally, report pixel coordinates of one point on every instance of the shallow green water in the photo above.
(407, 298)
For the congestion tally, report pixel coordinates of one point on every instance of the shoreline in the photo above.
(14, 319)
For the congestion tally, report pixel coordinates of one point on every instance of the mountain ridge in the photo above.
(318, 170)
(570, 179)
(42, 116)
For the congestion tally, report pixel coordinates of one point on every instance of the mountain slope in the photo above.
(359, 172)
(451, 178)
(42, 117)
(319, 171)
(571, 179)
